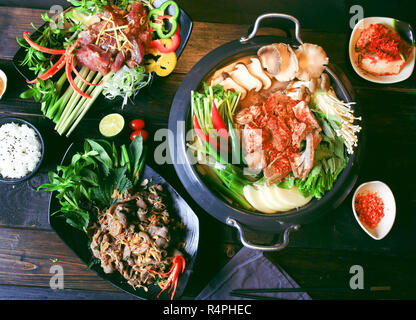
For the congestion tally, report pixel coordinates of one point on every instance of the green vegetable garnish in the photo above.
(92, 178)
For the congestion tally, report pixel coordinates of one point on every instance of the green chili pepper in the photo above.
(158, 25)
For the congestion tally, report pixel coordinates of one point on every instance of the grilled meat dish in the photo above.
(272, 134)
(120, 37)
(134, 237)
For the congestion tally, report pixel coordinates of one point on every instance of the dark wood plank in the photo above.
(321, 268)
(26, 257)
(8, 292)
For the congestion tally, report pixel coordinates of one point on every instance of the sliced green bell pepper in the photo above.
(158, 25)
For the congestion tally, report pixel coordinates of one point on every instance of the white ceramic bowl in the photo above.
(386, 223)
(361, 25)
(4, 78)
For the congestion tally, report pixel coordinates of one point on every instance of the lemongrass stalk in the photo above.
(94, 95)
(70, 97)
(73, 99)
(77, 110)
(53, 107)
(61, 104)
(60, 82)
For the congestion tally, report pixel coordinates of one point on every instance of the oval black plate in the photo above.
(78, 241)
(185, 23)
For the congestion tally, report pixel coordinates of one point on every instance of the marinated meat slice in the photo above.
(299, 130)
(277, 169)
(254, 138)
(280, 134)
(137, 16)
(304, 114)
(252, 99)
(302, 163)
(118, 62)
(138, 52)
(377, 66)
(249, 114)
(86, 37)
(94, 58)
(273, 133)
(256, 160)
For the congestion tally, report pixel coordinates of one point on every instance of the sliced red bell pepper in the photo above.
(218, 122)
(68, 70)
(52, 71)
(176, 41)
(83, 79)
(40, 48)
(200, 133)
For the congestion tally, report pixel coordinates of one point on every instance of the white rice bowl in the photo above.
(20, 150)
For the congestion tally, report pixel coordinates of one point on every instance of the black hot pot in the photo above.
(179, 124)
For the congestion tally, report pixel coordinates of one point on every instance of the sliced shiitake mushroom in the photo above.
(243, 77)
(230, 84)
(289, 67)
(270, 58)
(279, 60)
(312, 60)
(256, 69)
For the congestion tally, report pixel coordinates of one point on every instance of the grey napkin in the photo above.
(250, 269)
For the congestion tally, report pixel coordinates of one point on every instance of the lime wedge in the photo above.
(111, 125)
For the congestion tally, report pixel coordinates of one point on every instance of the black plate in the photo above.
(214, 203)
(185, 23)
(78, 242)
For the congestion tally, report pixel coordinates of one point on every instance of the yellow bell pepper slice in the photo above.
(161, 63)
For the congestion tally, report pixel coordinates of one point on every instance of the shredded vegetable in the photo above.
(126, 83)
(340, 116)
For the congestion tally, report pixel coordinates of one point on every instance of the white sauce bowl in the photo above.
(386, 223)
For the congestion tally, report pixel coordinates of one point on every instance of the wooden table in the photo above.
(319, 255)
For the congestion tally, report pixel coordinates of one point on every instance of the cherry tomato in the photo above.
(137, 124)
(144, 133)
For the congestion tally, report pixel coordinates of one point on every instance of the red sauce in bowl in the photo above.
(369, 208)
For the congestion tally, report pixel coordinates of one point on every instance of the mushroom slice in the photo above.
(270, 58)
(289, 63)
(245, 79)
(229, 84)
(325, 82)
(219, 79)
(256, 69)
(312, 60)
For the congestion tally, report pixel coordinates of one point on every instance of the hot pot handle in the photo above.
(274, 247)
(273, 15)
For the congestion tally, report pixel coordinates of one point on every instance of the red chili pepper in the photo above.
(67, 60)
(68, 71)
(178, 266)
(370, 208)
(201, 134)
(54, 69)
(218, 122)
(40, 48)
(83, 79)
(176, 41)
